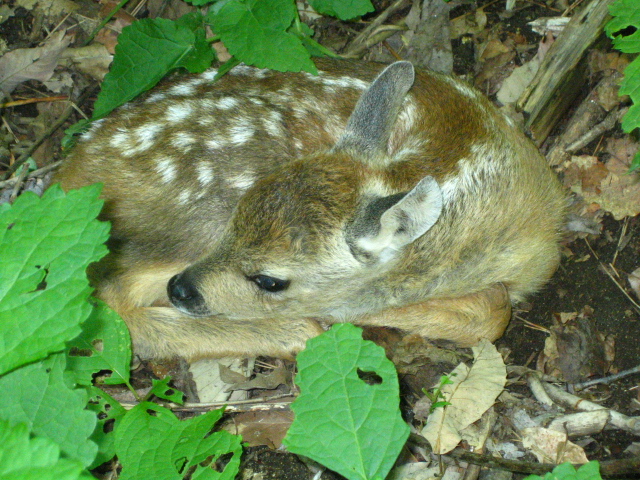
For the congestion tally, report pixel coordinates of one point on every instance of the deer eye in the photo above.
(270, 284)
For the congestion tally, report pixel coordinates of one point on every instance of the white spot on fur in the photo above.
(183, 140)
(408, 115)
(156, 97)
(215, 143)
(376, 187)
(184, 197)
(273, 123)
(462, 87)
(298, 145)
(185, 89)
(341, 82)
(241, 132)
(210, 74)
(249, 71)
(167, 169)
(88, 135)
(144, 138)
(205, 173)
(242, 181)
(226, 103)
(178, 113)
(120, 139)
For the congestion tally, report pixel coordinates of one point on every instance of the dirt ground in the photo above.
(584, 324)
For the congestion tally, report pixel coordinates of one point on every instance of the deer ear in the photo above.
(369, 127)
(381, 237)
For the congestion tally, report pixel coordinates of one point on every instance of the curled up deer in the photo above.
(248, 212)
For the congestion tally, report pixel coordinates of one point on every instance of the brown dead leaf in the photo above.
(585, 171)
(23, 64)
(279, 376)
(575, 350)
(94, 59)
(609, 186)
(600, 61)
(261, 428)
(550, 446)
(471, 24)
(634, 282)
(496, 61)
(606, 92)
(472, 392)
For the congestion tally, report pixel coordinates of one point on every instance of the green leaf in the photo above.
(152, 443)
(161, 389)
(626, 17)
(255, 31)
(343, 9)
(147, 50)
(348, 425)
(104, 344)
(631, 86)
(26, 458)
(566, 471)
(45, 246)
(199, 3)
(625, 13)
(38, 396)
(107, 410)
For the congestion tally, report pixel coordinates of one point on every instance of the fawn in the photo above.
(248, 212)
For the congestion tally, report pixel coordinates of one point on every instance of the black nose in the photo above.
(184, 294)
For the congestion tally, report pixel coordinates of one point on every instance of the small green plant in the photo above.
(436, 396)
(566, 471)
(264, 33)
(53, 420)
(347, 415)
(624, 29)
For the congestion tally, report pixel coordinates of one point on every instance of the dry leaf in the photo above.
(609, 186)
(468, 24)
(634, 281)
(550, 446)
(93, 59)
(270, 381)
(415, 471)
(208, 377)
(473, 391)
(515, 84)
(38, 63)
(262, 428)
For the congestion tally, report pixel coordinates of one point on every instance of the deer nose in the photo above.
(184, 295)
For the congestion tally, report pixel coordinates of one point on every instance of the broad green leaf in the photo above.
(624, 29)
(152, 443)
(161, 389)
(104, 344)
(45, 246)
(343, 9)
(566, 471)
(626, 14)
(23, 457)
(106, 410)
(255, 31)
(39, 396)
(341, 421)
(147, 50)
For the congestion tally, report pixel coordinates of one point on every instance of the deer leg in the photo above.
(463, 320)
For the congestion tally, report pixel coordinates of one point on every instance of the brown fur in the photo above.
(253, 175)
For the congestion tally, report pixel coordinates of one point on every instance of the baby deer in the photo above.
(246, 211)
